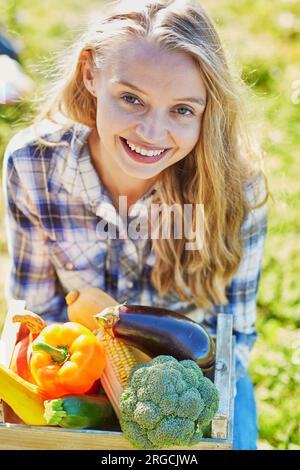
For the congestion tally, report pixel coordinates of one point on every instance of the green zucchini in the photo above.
(81, 411)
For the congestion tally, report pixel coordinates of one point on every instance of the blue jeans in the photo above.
(245, 427)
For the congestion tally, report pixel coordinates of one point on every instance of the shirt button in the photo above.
(92, 203)
(130, 284)
(69, 266)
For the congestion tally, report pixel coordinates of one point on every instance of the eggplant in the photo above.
(159, 331)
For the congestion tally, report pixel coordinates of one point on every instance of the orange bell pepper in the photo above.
(66, 359)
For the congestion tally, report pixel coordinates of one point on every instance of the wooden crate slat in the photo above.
(232, 391)
(223, 374)
(16, 436)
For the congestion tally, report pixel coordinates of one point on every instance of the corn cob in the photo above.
(120, 359)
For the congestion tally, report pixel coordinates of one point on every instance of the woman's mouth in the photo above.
(148, 157)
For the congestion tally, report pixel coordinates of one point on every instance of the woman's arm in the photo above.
(32, 276)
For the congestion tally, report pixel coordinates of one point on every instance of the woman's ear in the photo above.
(88, 74)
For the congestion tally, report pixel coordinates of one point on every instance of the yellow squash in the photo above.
(26, 399)
(83, 304)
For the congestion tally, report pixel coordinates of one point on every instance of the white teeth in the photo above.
(147, 153)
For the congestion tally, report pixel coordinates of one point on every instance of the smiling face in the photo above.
(149, 101)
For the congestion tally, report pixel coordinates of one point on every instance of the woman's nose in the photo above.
(153, 129)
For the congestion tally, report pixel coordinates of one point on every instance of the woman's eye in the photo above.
(130, 99)
(183, 111)
(133, 100)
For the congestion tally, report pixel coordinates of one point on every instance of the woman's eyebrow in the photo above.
(199, 101)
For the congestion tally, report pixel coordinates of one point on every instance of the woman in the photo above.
(146, 109)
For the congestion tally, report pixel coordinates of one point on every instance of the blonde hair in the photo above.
(214, 173)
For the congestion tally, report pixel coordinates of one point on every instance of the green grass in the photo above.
(262, 37)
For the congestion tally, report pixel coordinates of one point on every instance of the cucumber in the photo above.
(80, 412)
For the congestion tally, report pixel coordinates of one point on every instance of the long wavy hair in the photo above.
(214, 173)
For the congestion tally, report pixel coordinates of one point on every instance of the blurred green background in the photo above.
(262, 39)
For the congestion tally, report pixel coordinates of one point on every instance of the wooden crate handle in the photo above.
(223, 375)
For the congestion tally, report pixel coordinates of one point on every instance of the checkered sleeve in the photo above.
(243, 289)
(32, 276)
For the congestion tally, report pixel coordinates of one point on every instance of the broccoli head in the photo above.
(167, 402)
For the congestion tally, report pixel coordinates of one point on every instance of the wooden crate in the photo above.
(21, 436)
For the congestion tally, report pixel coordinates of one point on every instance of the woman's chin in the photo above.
(133, 171)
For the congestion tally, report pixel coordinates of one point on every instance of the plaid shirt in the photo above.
(54, 201)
